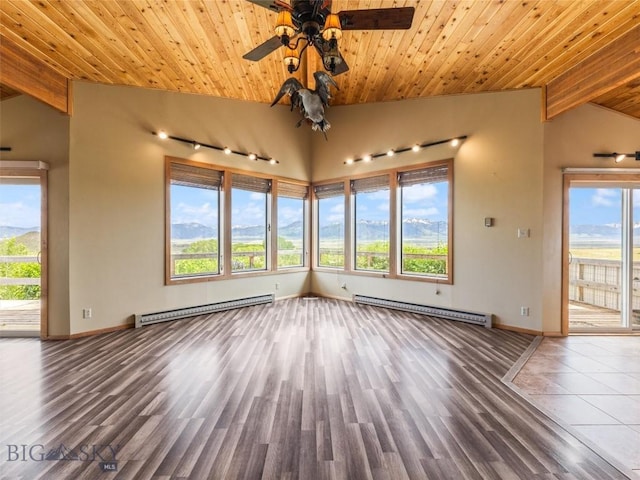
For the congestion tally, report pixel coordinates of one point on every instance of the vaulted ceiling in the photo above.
(587, 49)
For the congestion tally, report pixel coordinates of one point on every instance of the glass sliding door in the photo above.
(22, 253)
(634, 319)
(602, 275)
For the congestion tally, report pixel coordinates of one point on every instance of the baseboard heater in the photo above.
(167, 315)
(483, 319)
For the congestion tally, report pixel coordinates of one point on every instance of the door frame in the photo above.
(39, 170)
(613, 176)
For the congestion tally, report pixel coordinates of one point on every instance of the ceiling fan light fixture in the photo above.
(291, 59)
(284, 25)
(332, 29)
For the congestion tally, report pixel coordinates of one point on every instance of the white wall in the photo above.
(498, 173)
(36, 131)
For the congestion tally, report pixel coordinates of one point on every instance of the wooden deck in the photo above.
(19, 315)
(588, 316)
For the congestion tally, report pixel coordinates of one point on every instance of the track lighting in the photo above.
(454, 142)
(197, 145)
(618, 157)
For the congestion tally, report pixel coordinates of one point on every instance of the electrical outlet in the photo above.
(524, 311)
(86, 313)
(343, 286)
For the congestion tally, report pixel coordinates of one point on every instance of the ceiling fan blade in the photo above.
(377, 19)
(264, 49)
(273, 5)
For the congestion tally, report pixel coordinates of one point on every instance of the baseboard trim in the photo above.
(322, 295)
(553, 334)
(90, 333)
(510, 328)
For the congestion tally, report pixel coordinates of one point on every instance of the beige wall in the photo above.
(498, 173)
(570, 141)
(117, 194)
(107, 192)
(36, 131)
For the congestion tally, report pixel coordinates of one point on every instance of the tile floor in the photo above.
(592, 384)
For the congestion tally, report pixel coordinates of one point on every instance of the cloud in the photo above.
(249, 214)
(604, 197)
(19, 214)
(419, 193)
(421, 212)
(288, 215)
(204, 213)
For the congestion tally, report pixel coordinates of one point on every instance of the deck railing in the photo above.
(598, 283)
(13, 281)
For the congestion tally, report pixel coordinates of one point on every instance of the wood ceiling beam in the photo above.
(611, 67)
(21, 71)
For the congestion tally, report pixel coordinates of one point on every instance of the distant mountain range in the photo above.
(366, 230)
(8, 232)
(601, 231)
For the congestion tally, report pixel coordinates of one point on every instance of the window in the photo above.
(424, 211)
(291, 224)
(194, 206)
(330, 223)
(396, 223)
(371, 223)
(249, 213)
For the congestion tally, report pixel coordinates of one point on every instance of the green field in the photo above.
(604, 253)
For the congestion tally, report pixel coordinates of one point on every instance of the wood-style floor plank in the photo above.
(301, 389)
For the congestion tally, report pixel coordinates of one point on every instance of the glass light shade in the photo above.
(284, 24)
(291, 57)
(332, 28)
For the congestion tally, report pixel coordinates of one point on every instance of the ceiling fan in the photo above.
(310, 22)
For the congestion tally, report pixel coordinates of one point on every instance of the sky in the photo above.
(197, 205)
(597, 206)
(20, 205)
(194, 205)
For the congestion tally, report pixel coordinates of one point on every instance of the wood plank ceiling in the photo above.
(196, 46)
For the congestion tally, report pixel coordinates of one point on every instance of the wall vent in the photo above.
(483, 319)
(150, 318)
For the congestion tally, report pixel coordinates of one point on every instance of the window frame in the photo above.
(444, 279)
(363, 185)
(316, 226)
(224, 221)
(169, 262)
(395, 226)
(292, 189)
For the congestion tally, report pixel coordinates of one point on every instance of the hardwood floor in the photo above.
(299, 389)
